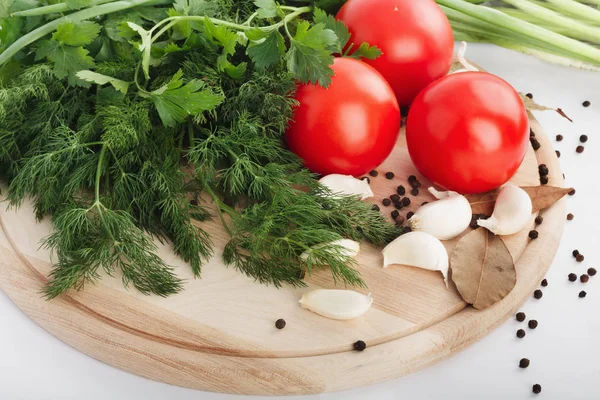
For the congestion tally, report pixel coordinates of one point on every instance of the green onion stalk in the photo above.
(565, 32)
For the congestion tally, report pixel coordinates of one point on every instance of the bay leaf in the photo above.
(531, 105)
(482, 269)
(541, 197)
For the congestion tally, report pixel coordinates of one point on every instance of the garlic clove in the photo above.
(445, 218)
(417, 249)
(512, 211)
(347, 185)
(345, 247)
(337, 304)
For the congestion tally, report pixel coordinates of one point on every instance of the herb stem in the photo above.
(220, 208)
(99, 168)
(52, 9)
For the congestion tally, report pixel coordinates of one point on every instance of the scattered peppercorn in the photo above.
(520, 316)
(389, 175)
(412, 178)
(404, 110)
(537, 388)
(572, 277)
(583, 138)
(579, 258)
(409, 215)
(415, 191)
(532, 324)
(415, 184)
(401, 190)
(557, 153)
(544, 180)
(373, 173)
(398, 205)
(580, 149)
(570, 216)
(376, 207)
(280, 323)
(586, 103)
(544, 282)
(194, 202)
(360, 345)
(400, 220)
(538, 294)
(535, 144)
(386, 202)
(407, 229)
(406, 202)
(591, 271)
(533, 234)
(365, 178)
(521, 333)
(524, 363)
(584, 278)
(575, 253)
(559, 138)
(395, 198)
(529, 95)
(395, 214)
(572, 192)
(543, 169)
(582, 294)
(539, 219)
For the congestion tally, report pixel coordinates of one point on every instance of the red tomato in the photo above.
(414, 36)
(348, 128)
(468, 132)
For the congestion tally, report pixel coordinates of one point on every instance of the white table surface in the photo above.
(564, 349)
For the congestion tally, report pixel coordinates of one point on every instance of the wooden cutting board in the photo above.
(219, 334)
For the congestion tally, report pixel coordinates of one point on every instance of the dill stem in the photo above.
(220, 208)
(99, 174)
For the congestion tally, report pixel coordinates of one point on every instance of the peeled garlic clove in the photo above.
(347, 185)
(418, 249)
(445, 218)
(337, 304)
(345, 248)
(512, 211)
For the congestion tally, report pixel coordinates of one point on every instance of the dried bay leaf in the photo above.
(531, 105)
(541, 197)
(482, 269)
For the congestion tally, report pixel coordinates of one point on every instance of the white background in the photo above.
(564, 349)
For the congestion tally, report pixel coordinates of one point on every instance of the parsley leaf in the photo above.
(10, 31)
(67, 60)
(308, 56)
(175, 101)
(340, 29)
(268, 51)
(365, 51)
(80, 34)
(194, 7)
(100, 79)
(266, 8)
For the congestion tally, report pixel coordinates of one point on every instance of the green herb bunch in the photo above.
(138, 119)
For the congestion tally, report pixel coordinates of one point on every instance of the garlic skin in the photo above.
(512, 211)
(347, 185)
(348, 248)
(337, 304)
(445, 218)
(418, 249)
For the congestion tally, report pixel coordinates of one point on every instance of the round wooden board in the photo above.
(219, 333)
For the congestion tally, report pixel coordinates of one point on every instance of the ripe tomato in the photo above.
(348, 128)
(415, 38)
(468, 132)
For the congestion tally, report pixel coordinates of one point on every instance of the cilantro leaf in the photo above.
(268, 51)
(340, 29)
(309, 56)
(67, 60)
(366, 51)
(100, 79)
(266, 8)
(175, 101)
(77, 4)
(80, 34)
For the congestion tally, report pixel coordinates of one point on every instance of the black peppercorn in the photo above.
(575, 253)
(544, 282)
(415, 183)
(410, 214)
(411, 178)
(400, 220)
(535, 144)
(583, 138)
(572, 192)
(584, 278)
(570, 216)
(591, 271)
(579, 258)
(389, 175)
(359, 345)
(538, 294)
(395, 198)
(533, 234)
(474, 224)
(373, 173)
(537, 388)
(580, 149)
(395, 214)
(520, 316)
(194, 202)
(376, 207)
(406, 202)
(559, 138)
(398, 205)
(520, 333)
(524, 363)
(539, 219)
(586, 103)
(386, 202)
(544, 180)
(280, 323)
(557, 153)
(529, 95)
(401, 190)
(407, 229)
(414, 192)
(572, 277)
(532, 324)
(543, 169)
(582, 294)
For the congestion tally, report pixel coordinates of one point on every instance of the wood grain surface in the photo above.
(219, 333)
